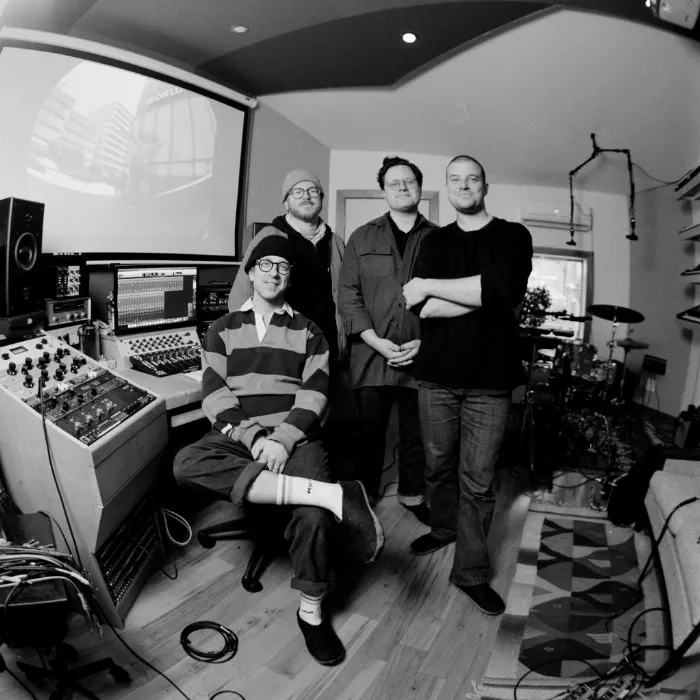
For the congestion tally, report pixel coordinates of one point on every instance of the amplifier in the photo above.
(69, 311)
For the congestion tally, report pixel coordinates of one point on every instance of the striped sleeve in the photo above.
(221, 406)
(310, 408)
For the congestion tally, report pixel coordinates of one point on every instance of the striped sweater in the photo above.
(277, 387)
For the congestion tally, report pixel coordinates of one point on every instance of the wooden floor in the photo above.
(408, 633)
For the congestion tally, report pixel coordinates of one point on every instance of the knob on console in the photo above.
(12, 368)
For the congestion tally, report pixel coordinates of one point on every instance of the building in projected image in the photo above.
(111, 155)
(173, 139)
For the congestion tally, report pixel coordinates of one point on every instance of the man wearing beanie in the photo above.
(264, 389)
(318, 254)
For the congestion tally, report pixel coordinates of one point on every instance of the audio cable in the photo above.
(226, 653)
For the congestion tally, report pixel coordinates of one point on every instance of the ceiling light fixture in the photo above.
(409, 37)
(239, 29)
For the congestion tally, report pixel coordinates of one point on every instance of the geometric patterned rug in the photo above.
(571, 576)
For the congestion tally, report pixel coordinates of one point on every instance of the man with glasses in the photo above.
(264, 389)
(318, 253)
(469, 278)
(384, 338)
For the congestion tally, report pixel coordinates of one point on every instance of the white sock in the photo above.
(297, 491)
(310, 609)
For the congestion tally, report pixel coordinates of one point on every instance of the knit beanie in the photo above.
(269, 241)
(294, 177)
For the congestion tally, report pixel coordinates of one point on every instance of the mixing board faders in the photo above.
(76, 394)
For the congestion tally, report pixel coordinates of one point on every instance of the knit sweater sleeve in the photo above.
(221, 406)
(310, 408)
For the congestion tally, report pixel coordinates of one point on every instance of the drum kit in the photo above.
(578, 389)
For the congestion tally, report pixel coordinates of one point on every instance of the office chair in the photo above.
(258, 529)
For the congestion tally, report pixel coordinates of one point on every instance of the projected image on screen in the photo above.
(124, 163)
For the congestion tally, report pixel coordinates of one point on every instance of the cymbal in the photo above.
(547, 352)
(620, 314)
(631, 344)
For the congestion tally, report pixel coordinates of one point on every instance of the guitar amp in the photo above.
(69, 311)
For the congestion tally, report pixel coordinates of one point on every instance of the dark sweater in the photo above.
(478, 350)
(311, 290)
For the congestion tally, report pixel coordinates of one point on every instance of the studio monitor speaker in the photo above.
(21, 223)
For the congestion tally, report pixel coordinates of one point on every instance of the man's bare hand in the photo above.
(273, 456)
(406, 354)
(256, 449)
(386, 348)
(415, 291)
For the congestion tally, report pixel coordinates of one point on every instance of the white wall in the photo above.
(358, 170)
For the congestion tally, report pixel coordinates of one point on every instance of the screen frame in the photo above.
(120, 330)
(162, 74)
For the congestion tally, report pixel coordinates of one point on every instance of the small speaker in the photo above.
(21, 225)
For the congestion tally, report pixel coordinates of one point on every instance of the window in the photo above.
(568, 277)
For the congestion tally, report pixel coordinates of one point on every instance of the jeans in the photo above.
(220, 465)
(374, 406)
(463, 435)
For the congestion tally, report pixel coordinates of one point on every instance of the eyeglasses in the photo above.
(266, 265)
(298, 192)
(394, 185)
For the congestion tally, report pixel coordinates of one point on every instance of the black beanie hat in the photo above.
(269, 241)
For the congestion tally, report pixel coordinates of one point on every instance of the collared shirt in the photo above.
(260, 327)
(401, 237)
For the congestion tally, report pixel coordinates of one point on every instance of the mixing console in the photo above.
(78, 395)
(159, 354)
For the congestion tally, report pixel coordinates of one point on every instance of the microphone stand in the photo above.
(596, 152)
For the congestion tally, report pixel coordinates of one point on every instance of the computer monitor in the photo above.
(154, 298)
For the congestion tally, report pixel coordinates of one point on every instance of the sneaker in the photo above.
(426, 544)
(359, 518)
(421, 511)
(484, 597)
(322, 642)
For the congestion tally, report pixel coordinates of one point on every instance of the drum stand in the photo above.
(527, 428)
(599, 502)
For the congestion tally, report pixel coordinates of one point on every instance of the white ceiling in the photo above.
(526, 100)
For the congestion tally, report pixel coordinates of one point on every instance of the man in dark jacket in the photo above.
(384, 336)
(318, 255)
(469, 278)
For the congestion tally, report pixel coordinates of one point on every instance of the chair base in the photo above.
(66, 680)
(230, 529)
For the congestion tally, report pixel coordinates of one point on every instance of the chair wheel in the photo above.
(119, 674)
(66, 652)
(207, 541)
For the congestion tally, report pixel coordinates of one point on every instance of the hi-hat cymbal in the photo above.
(547, 352)
(620, 314)
(631, 344)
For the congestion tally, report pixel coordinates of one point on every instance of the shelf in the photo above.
(692, 325)
(690, 233)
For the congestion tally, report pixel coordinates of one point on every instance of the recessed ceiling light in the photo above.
(409, 37)
(239, 29)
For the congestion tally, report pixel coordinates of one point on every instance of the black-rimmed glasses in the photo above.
(265, 265)
(298, 192)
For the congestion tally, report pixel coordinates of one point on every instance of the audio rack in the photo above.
(106, 440)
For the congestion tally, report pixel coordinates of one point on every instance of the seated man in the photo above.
(264, 388)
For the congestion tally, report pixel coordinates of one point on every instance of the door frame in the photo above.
(433, 197)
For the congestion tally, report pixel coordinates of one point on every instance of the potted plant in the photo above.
(534, 307)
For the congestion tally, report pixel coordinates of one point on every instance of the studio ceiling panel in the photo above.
(364, 50)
